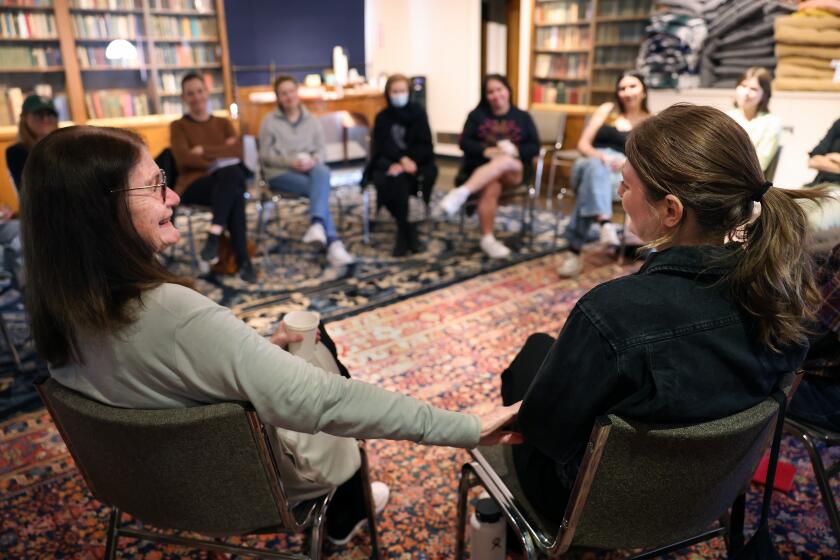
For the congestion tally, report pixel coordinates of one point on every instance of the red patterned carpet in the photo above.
(447, 347)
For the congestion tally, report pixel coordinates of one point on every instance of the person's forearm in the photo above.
(823, 163)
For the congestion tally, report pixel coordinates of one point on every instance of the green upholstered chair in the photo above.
(640, 486)
(206, 469)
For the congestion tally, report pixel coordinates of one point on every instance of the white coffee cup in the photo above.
(303, 157)
(507, 146)
(304, 323)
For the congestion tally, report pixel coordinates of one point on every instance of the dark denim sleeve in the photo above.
(577, 382)
(826, 143)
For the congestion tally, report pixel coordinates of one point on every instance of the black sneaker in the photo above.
(247, 272)
(210, 252)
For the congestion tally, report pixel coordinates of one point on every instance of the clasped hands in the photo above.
(405, 165)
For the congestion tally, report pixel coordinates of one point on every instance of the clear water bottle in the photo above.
(487, 531)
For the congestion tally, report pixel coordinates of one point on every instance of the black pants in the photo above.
(392, 192)
(546, 489)
(223, 190)
(348, 502)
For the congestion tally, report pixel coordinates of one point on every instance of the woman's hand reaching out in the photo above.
(492, 423)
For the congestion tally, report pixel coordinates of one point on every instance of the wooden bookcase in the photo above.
(580, 47)
(57, 48)
(60, 45)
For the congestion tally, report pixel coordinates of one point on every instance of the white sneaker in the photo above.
(337, 255)
(454, 199)
(316, 234)
(609, 235)
(380, 493)
(571, 266)
(494, 248)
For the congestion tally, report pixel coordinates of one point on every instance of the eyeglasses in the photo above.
(160, 183)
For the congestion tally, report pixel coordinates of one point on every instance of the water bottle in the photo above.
(487, 531)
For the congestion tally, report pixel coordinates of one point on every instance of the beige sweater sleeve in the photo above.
(222, 357)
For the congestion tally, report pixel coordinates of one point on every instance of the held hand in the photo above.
(490, 153)
(5, 213)
(833, 157)
(615, 163)
(230, 141)
(395, 169)
(197, 150)
(283, 338)
(408, 165)
(492, 422)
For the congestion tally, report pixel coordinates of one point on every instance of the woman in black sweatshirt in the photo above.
(402, 160)
(499, 141)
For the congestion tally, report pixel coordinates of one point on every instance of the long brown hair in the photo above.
(762, 75)
(25, 134)
(708, 162)
(84, 260)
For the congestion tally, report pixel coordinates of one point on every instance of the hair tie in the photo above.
(763, 189)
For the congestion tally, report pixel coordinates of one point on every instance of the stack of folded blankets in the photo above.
(806, 44)
(740, 35)
(670, 55)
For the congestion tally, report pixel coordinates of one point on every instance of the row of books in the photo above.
(170, 82)
(175, 107)
(13, 56)
(571, 66)
(562, 38)
(629, 31)
(11, 102)
(107, 4)
(607, 8)
(26, 3)
(607, 78)
(203, 6)
(27, 25)
(186, 55)
(563, 11)
(90, 57)
(186, 27)
(616, 55)
(558, 92)
(116, 103)
(105, 26)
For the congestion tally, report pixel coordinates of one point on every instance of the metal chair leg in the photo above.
(369, 505)
(9, 343)
(111, 537)
(365, 216)
(318, 531)
(622, 247)
(822, 480)
(468, 480)
(191, 233)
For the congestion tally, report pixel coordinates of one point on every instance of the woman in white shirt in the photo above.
(752, 99)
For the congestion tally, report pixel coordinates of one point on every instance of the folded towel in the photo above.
(804, 84)
(807, 50)
(810, 62)
(729, 52)
(740, 42)
(832, 6)
(788, 70)
(811, 21)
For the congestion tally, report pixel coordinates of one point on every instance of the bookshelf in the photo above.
(580, 47)
(66, 48)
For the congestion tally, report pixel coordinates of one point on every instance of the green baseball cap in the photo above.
(35, 103)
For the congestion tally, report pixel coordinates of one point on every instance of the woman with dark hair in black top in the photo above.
(498, 141)
(402, 160)
(595, 176)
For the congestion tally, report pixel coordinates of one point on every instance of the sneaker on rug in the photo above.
(210, 252)
(316, 234)
(337, 255)
(571, 266)
(609, 235)
(494, 248)
(247, 272)
(454, 199)
(343, 535)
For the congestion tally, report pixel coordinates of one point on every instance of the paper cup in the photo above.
(306, 324)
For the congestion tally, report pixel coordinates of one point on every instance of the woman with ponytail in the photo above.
(705, 329)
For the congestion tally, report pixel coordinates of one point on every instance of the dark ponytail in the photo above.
(705, 159)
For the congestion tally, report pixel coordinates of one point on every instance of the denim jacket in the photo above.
(666, 344)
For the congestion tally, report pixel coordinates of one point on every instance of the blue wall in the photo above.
(293, 33)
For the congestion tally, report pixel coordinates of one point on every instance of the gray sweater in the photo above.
(281, 141)
(185, 350)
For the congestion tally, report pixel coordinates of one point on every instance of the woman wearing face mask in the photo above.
(402, 160)
(498, 141)
(595, 176)
(752, 112)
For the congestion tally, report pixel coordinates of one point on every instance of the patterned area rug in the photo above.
(447, 347)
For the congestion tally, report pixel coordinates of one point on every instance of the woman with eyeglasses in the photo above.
(114, 324)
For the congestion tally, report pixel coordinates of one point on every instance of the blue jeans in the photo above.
(595, 186)
(314, 185)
